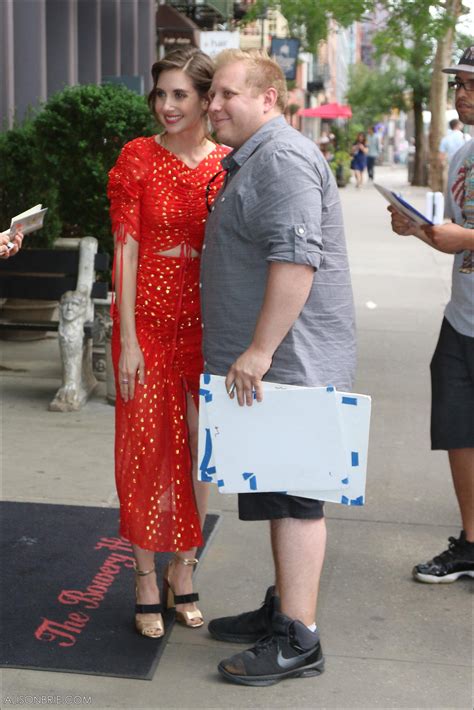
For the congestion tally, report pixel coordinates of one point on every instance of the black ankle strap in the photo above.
(148, 609)
(186, 598)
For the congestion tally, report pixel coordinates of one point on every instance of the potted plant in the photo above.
(341, 167)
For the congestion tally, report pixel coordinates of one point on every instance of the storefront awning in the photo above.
(328, 111)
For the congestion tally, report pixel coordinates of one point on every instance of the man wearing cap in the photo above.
(452, 366)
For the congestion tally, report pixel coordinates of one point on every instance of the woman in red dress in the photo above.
(158, 191)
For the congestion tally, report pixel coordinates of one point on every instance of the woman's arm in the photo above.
(131, 357)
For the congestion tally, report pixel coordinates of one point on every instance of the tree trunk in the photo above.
(419, 167)
(438, 99)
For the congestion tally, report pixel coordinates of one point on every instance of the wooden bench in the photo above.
(67, 276)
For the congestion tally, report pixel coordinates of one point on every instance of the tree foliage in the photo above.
(373, 93)
(80, 132)
(309, 19)
(25, 183)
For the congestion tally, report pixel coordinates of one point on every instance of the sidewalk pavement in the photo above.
(389, 642)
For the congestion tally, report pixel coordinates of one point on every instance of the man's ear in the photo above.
(270, 97)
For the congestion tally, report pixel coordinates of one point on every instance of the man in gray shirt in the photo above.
(452, 366)
(277, 305)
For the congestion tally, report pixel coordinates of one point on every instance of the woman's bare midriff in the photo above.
(176, 251)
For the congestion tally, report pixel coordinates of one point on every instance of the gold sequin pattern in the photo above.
(160, 202)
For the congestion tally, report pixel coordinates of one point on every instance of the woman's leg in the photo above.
(147, 588)
(180, 574)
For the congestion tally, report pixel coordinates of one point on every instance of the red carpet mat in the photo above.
(67, 592)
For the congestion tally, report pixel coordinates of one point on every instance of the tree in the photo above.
(309, 19)
(438, 95)
(373, 93)
(413, 31)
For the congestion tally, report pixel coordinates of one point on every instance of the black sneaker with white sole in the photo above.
(457, 561)
(249, 626)
(291, 651)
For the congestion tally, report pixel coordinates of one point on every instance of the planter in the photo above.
(341, 176)
(102, 318)
(23, 310)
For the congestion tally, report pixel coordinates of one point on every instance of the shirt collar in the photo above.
(239, 155)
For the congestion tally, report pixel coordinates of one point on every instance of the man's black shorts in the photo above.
(452, 391)
(273, 506)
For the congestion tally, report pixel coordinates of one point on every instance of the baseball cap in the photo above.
(466, 63)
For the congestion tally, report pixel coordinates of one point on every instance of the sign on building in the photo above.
(214, 42)
(285, 52)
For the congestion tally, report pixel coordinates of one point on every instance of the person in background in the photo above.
(359, 158)
(159, 191)
(325, 147)
(452, 366)
(373, 151)
(452, 141)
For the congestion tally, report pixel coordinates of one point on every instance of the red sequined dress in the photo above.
(161, 202)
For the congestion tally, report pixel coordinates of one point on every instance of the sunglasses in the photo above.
(209, 187)
(466, 85)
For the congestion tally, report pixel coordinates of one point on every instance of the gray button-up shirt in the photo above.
(280, 203)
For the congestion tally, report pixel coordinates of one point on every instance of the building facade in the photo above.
(48, 44)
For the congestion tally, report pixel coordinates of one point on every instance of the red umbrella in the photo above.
(333, 110)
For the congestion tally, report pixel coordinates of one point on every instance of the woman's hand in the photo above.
(131, 363)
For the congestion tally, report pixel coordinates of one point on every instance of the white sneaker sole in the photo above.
(447, 579)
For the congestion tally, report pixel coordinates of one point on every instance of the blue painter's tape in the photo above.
(220, 483)
(330, 388)
(206, 394)
(358, 501)
(350, 400)
(206, 378)
(355, 458)
(206, 470)
(344, 500)
(345, 481)
(252, 479)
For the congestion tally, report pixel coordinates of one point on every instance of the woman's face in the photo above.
(178, 105)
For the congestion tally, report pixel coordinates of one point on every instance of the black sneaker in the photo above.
(291, 651)
(457, 561)
(249, 626)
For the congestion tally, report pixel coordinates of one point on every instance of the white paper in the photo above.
(302, 434)
(30, 220)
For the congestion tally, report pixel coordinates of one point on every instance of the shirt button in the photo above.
(213, 208)
(203, 247)
(300, 230)
(222, 199)
(200, 285)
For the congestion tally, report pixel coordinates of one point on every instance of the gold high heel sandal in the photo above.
(192, 619)
(148, 619)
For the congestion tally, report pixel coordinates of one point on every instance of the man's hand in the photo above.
(245, 376)
(401, 224)
(450, 238)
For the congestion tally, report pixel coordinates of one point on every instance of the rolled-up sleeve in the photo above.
(286, 209)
